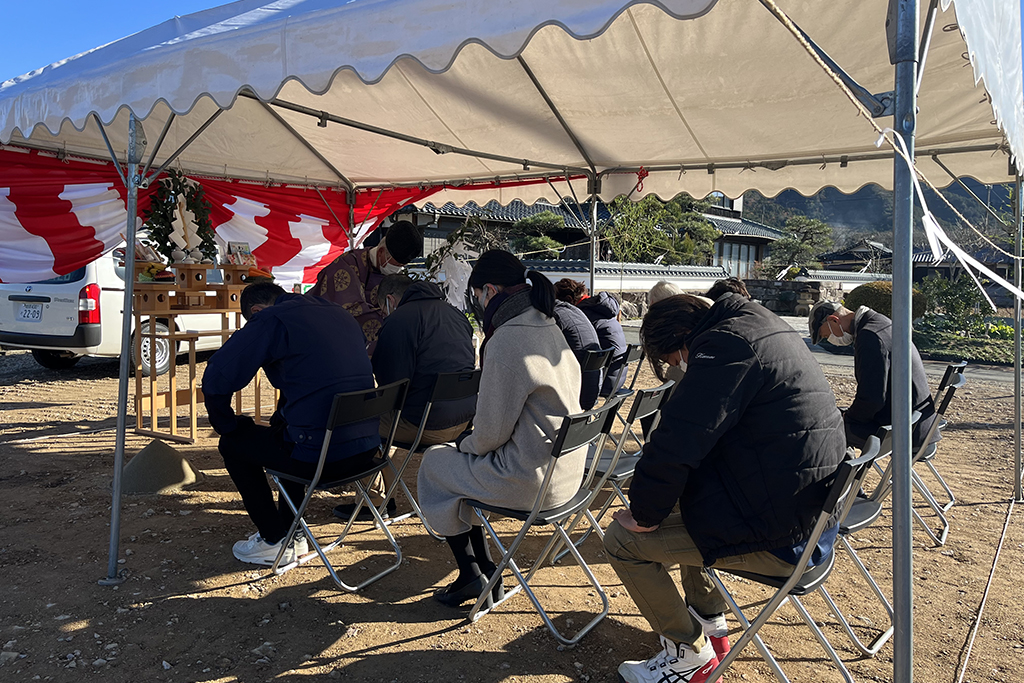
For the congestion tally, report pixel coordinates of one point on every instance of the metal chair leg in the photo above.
(749, 631)
(508, 560)
(940, 537)
(322, 551)
(942, 482)
(822, 640)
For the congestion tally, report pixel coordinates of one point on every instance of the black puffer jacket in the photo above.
(422, 337)
(748, 443)
(602, 311)
(872, 364)
(581, 337)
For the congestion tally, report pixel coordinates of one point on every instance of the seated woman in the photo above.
(530, 380)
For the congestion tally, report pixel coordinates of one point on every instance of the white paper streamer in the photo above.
(936, 235)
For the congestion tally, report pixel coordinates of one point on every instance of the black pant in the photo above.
(251, 448)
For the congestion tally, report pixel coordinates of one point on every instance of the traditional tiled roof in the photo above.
(576, 216)
(632, 269)
(744, 227)
(845, 276)
(986, 255)
(857, 251)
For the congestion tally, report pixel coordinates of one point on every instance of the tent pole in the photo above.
(1018, 219)
(134, 157)
(350, 197)
(593, 243)
(903, 52)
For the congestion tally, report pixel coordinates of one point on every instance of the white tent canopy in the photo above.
(724, 101)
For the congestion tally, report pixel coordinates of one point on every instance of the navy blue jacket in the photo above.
(311, 349)
(603, 311)
(581, 337)
(872, 364)
(748, 444)
(423, 337)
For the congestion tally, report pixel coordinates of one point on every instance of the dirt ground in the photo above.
(188, 611)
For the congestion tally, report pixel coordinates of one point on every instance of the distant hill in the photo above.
(868, 212)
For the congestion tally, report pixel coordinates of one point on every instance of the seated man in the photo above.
(581, 337)
(311, 350)
(746, 448)
(602, 311)
(870, 333)
(352, 279)
(422, 336)
(729, 284)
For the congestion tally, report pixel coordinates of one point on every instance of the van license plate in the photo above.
(32, 313)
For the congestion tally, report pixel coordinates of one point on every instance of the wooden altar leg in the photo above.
(173, 388)
(154, 388)
(138, 371)
(192, 418)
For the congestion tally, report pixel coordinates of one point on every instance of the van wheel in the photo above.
(55, 360)
(160, 348)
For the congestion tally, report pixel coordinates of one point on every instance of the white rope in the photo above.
(984, 597)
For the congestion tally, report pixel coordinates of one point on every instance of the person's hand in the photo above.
(626, 521)
(244, 422)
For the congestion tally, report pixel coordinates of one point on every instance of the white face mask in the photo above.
(391, 269)
(843, 340)
(482, 299)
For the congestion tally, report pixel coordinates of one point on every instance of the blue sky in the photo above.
(39, 34)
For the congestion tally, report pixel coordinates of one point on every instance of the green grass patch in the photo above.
(936, 345)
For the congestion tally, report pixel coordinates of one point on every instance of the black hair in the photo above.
(404, 241)
(259, 293)
(666, 326)
(497, 267)
(729, 284)
(570, 291)
(395, 285)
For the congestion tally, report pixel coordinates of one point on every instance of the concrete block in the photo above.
(157, 468)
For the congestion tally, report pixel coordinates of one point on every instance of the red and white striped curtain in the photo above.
(57, 216)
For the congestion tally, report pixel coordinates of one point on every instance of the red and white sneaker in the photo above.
(676, 663)
(716, 630)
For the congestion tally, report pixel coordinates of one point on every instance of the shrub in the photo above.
(999, 331)
(961, 303)
(878, 297)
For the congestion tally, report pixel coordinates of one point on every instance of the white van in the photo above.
(79, 314)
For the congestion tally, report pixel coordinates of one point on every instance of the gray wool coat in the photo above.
(530, 381)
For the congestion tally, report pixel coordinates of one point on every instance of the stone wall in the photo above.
(788, 297)
(791, 297)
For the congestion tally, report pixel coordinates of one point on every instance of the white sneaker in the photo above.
(717, 631)
(255, 550)
(676, 663)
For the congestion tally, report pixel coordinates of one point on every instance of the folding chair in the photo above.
(634, 354)
(858, 514)
(951, 370)
(954, 374)
(926, 453)
(596, 360)
(612, 468)
(577, 431)
(348, 408)
(449, 386)
(804, 579)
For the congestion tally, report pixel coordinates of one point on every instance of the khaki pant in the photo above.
(379, 485)
(643, 560)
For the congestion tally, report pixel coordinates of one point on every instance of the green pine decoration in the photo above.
(161, 214)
